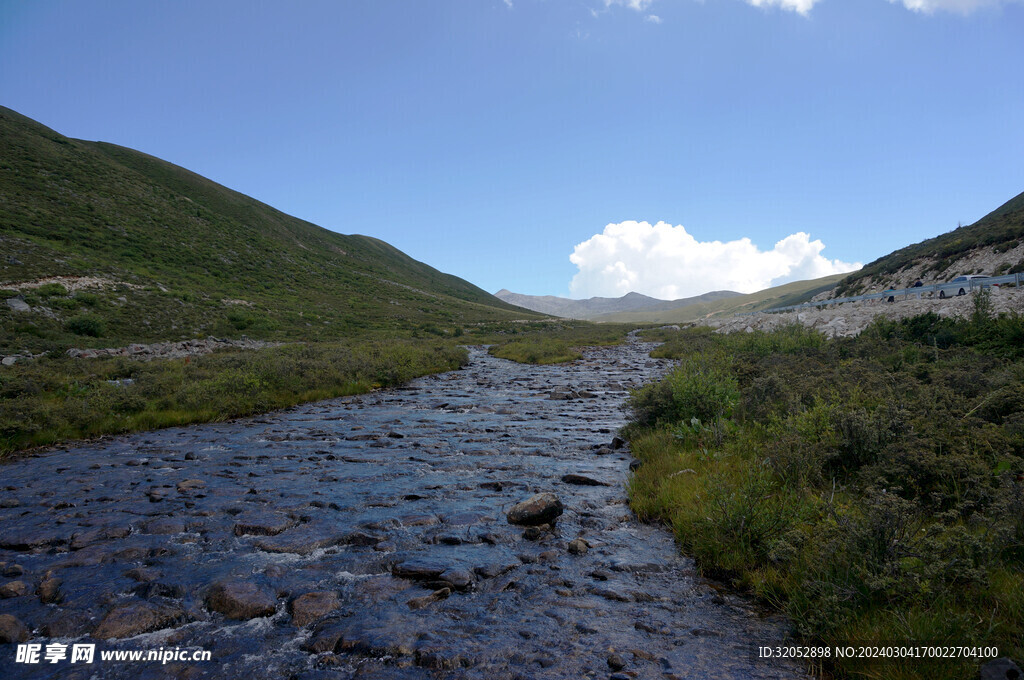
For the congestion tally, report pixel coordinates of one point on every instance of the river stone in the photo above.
(241, 600)
(583, 480)
(377, 641)
(426, 600)
(85, 538)
(49, 590)
(66, 623)
(493, 570)
(578, 546)
(143, 574)
(419, 569)
(299, 541)
(157, 494)
(12, 630)
(543, 508)
(262, 523)
(190, 484)
(11, 570)
(13, 589)
(458, 579)
(136, 618)
(325, 637)
(33, 539)
(312, 606)
(361, 538)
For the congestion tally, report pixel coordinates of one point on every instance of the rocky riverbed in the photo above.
(370, 537)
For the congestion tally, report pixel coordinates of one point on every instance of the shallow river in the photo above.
(367, 537)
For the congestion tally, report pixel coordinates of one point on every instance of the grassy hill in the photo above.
(779, 296)
(103, 246)
(1001, 231)
(183, 256)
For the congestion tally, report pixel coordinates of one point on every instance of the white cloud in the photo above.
(804, 7)
(956, 6)
(798, 6)
(665, 261)
(638, 5)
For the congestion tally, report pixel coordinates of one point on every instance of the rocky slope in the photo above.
(851, 318)
(992, 246)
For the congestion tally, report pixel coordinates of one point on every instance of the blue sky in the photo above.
(494, 140)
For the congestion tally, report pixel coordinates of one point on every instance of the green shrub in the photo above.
(86, 298)
(85, 324)
(51, 290)
(699, 388)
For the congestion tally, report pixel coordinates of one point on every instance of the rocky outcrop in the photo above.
(169, 350)
(851, 318)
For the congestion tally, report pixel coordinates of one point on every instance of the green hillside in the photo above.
(184, 257)
(779, 296)
(1002, 229)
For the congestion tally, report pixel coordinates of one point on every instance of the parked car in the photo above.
(961, 285)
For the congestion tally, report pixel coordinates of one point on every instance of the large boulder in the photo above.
(543, 508)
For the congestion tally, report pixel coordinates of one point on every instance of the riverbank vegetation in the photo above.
(56, 399)
(553, 342)
(871, 487)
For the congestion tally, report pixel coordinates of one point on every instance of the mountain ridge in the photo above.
(594, 307)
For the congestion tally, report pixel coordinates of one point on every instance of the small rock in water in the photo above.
(143, 574)
(542, 508)
(49, 590)
(241, 600)
(583, 480)
(436, 596)
(12, 629)
(12, 570)
(419, 569)
(578, 546)
(262, 523)
(616, 662)
(13, 589)
(136, 618)
(312, 606)
(459, 579)
(190, 484)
